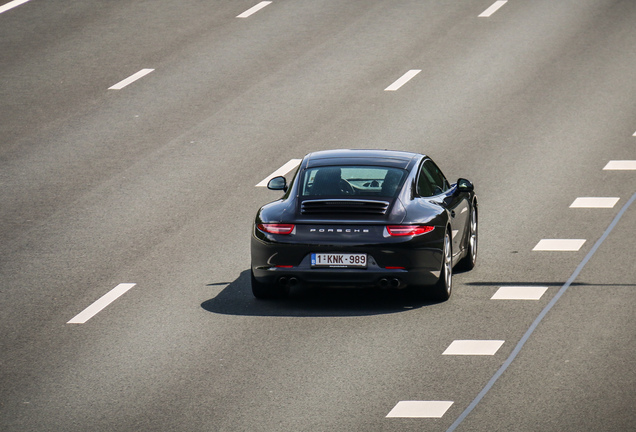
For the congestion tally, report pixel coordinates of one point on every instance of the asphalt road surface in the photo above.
(145, 187)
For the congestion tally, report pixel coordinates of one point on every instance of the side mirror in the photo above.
(277, 183)
(464, 185)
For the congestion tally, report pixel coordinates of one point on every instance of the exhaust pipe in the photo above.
(282, 281)
(292, 281)
(384, 283)
(395, 283)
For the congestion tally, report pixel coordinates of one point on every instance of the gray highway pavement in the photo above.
(154, 185)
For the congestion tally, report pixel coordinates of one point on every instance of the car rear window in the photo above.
(352, 181)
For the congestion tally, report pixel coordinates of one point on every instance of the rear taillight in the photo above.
(408, 230)
(276, 228)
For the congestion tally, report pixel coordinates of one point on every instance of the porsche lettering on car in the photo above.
(363, 219)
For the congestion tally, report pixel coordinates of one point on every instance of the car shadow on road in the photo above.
(237, 299)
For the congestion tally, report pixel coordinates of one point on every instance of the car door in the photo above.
(433, 183)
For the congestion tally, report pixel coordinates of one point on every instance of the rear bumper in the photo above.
(276, 263)
(345, 278)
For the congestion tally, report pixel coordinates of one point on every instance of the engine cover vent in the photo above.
(352, 206)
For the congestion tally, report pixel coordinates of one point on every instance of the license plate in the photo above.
(345, 260)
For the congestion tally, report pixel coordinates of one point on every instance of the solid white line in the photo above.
(560, 245)
(253, 9)
(280, 171)
(11, 5)
(101, 303)
(621, 165)
(403, 80)
(594, 202)
(121, 84)
(492, 9)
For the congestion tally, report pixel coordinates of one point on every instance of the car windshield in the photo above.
(352, 181)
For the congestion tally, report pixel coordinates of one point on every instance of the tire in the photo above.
(265, 291)
(443, 289)
(468, 262)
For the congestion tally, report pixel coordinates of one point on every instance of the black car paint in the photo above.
(420, 256)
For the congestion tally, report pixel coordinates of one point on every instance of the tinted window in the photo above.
(431, 180)
(352, 180)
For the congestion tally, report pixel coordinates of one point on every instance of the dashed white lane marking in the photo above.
(280, 171)
(473, 347)
(403, 80)
(123, 83)
(560, 245)
(493, 8)
(634, 134)
(517, 349)
(621, 165)
(420, 409)
(12, 4)
(519, 293)
(594, 202)
(253, 9)
(101, 303)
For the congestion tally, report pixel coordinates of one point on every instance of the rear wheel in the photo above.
(442, 290)
(468, 262)
(265, 291)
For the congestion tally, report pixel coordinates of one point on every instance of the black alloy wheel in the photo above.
(442, 290)
(468, 262)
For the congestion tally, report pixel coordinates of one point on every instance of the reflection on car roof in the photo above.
(389, 158)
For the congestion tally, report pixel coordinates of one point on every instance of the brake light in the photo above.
(276, 228)
(408, 230)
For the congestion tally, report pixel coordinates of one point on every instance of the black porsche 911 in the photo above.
(364, 218)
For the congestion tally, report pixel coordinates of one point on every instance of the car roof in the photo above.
(388, 158)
